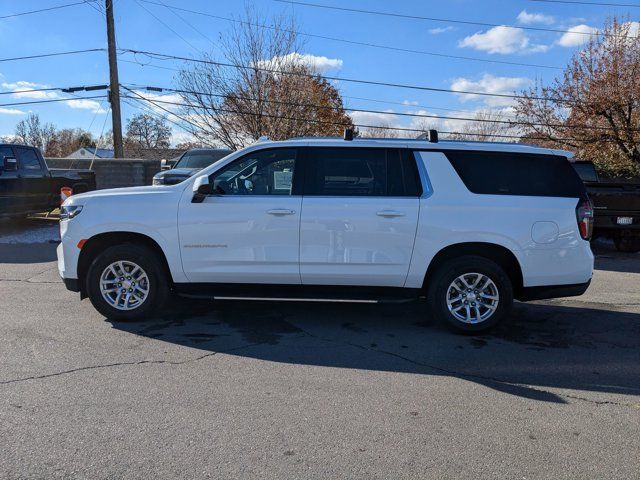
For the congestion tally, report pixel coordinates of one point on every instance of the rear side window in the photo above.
(508, 173)
(360, 172)
(28, 159)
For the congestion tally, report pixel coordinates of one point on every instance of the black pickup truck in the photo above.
(27, 185)
(616, 208)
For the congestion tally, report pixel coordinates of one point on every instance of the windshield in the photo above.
(196, 160)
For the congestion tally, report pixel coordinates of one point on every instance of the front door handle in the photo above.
(390, 213)
(280, 211)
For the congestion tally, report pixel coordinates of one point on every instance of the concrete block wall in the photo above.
(112, 173)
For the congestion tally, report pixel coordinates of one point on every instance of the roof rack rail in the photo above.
(431, 136)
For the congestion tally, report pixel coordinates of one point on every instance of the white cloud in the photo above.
(10, 111)
(24, 85)
(527, 18)
(436, 31)
(409, 102)
(166, 102)
(576, 36)
(84, 104)
(319, 64)
(503, 40)
(634, 29)
(374, 119)
(490, 84)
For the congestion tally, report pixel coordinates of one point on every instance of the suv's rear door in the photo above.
(359, 216)
(247, 230)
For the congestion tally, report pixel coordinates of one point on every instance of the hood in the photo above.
(177, 172)
(117, 193)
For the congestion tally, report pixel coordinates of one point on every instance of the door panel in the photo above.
(241, 239)
(364, 241)
(9, 185)
(248, 229)
(34, 180)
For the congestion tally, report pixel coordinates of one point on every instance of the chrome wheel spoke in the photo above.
(126, 294)
(472, 297)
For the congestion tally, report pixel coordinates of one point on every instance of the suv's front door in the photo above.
(247, 229)
(359, 216)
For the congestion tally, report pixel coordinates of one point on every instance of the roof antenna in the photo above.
(348, 134)
(431, 136)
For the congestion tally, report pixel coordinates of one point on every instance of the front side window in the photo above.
(28, 159)
(5, 151)
(265, 172)
(360, 172)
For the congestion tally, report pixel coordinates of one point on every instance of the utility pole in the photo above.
(114, 89)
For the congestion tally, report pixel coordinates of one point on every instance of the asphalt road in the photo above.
(267, 390)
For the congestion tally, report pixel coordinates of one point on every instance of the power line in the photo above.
(265, 115)
(57, 7)
(353, 42)
(161, 56)
(167, 26)
(171, 7)
(443, 20)
(348, 97)
(50, 101)
(55, 54)
(379, 112)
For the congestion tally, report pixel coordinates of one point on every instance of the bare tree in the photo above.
(147, 131)
(594, 108)
(34, 133)
(269, 90)
(384, 129)
(487, 126)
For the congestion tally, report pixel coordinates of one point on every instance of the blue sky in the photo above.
(83, 26)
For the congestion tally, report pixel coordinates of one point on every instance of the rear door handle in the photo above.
(390, 213)
(280, 211)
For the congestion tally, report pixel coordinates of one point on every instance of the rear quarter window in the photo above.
(507, 173)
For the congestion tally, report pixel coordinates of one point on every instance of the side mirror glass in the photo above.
(164, 164)
(201, 189)
(10, 164)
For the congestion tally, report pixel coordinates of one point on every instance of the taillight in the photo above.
(584, 215)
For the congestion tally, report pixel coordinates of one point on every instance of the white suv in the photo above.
(469, 226)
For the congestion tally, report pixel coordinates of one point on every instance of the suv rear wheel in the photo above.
(470, 294)
(127, 282)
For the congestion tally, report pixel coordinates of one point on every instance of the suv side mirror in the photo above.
(164, 165)
(201, 189)
(10, 164)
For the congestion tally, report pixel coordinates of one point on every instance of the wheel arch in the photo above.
(491, 251)
(99, 242)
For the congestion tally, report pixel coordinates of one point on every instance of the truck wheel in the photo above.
(471, 294)
(627, 243)
(127, 282)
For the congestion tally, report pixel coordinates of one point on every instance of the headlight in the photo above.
(67, 212)
(158, 181)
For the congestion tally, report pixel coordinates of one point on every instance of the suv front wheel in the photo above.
(127, 282)
(470, 294)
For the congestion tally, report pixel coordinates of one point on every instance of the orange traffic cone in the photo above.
(65, 192)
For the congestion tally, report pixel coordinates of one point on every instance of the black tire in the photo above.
(439, 283)
(628, 243)
(147, 259)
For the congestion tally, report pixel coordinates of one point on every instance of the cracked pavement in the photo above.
(295, 390)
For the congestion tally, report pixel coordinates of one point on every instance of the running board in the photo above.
(298, 293)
